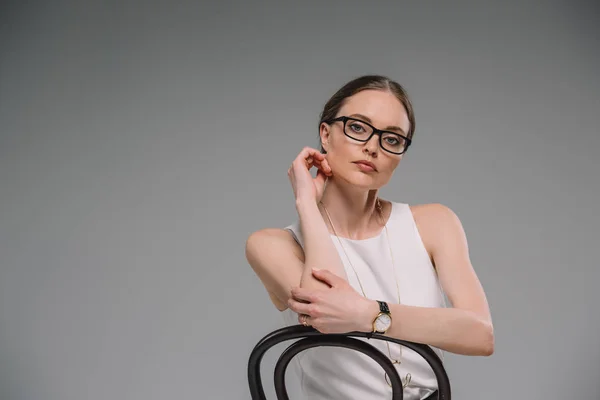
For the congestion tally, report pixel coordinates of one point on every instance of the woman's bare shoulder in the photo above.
(273, 236)
(429, 218)
(428, 213)
(426, 210)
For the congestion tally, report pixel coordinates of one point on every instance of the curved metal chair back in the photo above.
(313, 338)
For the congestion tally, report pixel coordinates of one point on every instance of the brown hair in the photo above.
(366, 82)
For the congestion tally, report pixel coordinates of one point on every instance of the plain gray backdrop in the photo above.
(142, 142)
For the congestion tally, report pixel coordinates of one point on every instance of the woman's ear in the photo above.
(324, 136)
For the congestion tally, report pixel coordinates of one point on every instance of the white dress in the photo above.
(333, 373)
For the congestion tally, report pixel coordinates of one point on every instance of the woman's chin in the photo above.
(359, 180)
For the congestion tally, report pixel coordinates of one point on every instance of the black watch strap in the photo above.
(383, 307)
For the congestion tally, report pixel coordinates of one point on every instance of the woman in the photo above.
(355, 262)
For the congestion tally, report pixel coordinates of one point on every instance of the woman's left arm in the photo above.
(465, 328)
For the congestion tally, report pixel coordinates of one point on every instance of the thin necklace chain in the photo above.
(380, 212)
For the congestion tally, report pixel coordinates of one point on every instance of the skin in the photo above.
(312, 281)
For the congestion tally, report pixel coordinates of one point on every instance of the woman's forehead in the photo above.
(381, 108)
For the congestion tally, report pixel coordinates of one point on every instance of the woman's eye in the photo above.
(356, 127)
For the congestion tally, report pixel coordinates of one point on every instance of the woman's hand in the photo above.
(304, 185)
(337, 309)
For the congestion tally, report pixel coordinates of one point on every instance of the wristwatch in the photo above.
(383, 320)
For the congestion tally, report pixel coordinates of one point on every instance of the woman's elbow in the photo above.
(488, 341)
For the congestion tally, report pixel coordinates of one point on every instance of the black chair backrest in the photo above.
(310, 337)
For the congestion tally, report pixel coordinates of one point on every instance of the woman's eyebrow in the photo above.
(367, 119)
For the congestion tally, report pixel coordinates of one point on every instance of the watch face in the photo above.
(383, 322)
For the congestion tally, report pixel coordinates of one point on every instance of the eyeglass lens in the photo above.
(360, 131)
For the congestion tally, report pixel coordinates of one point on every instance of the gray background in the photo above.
(141, 142)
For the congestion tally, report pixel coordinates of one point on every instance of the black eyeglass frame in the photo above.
(376, 131)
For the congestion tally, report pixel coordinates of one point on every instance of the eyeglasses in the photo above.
(362, 131)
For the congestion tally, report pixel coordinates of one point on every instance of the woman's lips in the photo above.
(365, 166)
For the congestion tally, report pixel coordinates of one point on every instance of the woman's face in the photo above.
(382, 110)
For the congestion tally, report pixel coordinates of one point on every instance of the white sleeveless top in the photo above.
(332, 373)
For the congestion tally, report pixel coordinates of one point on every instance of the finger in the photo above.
(300, 308)
(328, 277)
(306, 163)
(303, 294)
(326, 166)
(322, 163)
(309, 152)
(309, 157)
(311, 161)
(323, 167)
(304, 319)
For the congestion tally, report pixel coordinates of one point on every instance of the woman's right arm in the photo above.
(277, 260)
(281, 263)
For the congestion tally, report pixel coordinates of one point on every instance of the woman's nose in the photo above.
(372, 145)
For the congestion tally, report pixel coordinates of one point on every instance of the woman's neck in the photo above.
(353, 212)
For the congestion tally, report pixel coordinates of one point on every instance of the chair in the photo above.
(310, 337)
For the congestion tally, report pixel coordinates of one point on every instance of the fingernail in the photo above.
(316, 269)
